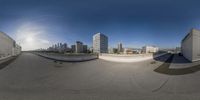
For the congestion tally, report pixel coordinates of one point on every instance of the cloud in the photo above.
(32, 36)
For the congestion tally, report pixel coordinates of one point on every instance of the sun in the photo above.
(29, 39)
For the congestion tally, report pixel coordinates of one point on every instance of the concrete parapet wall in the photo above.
(68, 58)
(128, 58)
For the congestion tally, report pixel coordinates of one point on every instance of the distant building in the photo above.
(136, 51)
(100, 43)
(190, 45)
(120, 48)
(59, 47)
(73, 48)
(128, 51)
(79, 47)
(112, 50)
(149, 49)
(90, 49)
(85, 49)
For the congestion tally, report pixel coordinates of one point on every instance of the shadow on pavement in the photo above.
(164, 68)
(6, 62)
(162, 58)
(178, 59)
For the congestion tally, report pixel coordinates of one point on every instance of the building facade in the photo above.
(100, 43)
(112, 50)
(79, 47)
(149, 49)
(85, 49)
(8, 46)
(190, 45)
(120, 48)
(128, 51)
(59, 47)
(73, 48)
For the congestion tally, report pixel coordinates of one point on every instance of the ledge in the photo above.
(70, 58)
(129, 58)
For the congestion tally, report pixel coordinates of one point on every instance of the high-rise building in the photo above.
(190, 47)
(85, 49)
(79, 47)
(120, 48)
(73, 48)
(100, 43)
(59, 47)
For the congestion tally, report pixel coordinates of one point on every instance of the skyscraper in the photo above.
(120, 49)
(100, 43)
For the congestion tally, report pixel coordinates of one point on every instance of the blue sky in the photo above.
(135, 23)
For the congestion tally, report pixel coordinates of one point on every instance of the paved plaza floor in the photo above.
(31, 77)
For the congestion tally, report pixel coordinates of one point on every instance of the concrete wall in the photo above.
(186, 47)
(68, 58)
(196, 45)
(8, 46)
(190, 46)
(129, 58)
(17, 50)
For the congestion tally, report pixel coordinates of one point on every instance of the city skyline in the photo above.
(39, 24)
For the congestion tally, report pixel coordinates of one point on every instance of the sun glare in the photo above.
(29, 39)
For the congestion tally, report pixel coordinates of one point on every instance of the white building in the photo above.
(128, 50)
(8, 46)
(100, 43)
(190, 45)
(150, 49)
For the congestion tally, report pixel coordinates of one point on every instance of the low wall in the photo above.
(68, 58)
(128, 58)
(2, 58)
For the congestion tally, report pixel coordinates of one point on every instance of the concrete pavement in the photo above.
(31, 77)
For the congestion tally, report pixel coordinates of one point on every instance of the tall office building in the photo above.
(100, 43)
(79, 47)
(120, 48)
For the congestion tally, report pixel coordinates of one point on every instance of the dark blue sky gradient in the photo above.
(135, 23)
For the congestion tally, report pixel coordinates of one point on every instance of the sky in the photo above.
(40, 23)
